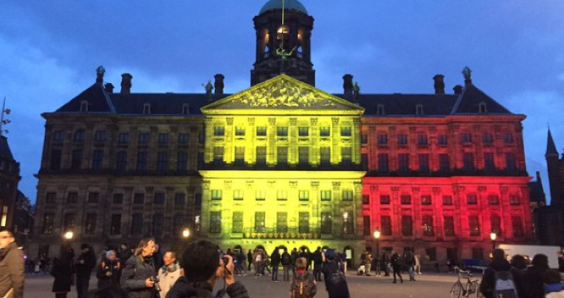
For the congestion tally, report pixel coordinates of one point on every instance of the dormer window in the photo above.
(482, 108)
(147, 108)
(380, 110)
(419, 110)
(185, 109)
(84, 106)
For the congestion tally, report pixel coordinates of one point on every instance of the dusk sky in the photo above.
(49, 51)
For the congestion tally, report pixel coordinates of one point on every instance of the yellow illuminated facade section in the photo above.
(282, 167)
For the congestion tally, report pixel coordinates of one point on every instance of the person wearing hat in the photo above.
(108, 272)
(84, 265)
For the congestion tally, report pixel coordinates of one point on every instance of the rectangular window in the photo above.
(449, 225)
(474, 225)
(93, 197)
(403, 160)
(51, 198)
(428, 229)
(510, 162)
(76, 159)
(493, 199)
(514, 200)
(466, 138)
(324, 131)
(303, 222)
(303, 195)
(281, 222)
(346, 155)
(72, 197)
(325, 156)
(444, 163)
(431, 253)
(365, 200)
(405, 200)
(348, 195)
(121, 161)
(426, 200)
(282, 155)
(303, 155)
(181, 161)
(489, 161)
(402, 139)
(422, 140)
(123, 138)
(117, 199)
(237, 226)
(261, 155)
(326, 223)
(97, 159)
(382, 139)
(48, 222)
(159, 198)
(141, 161)
(487, 138)
(366, 225)
(508, 138)
(91, 221)
(157, 224)
(218, 130)
(496, 224)
(282, 131)
(239, 155)
(364, 139)
(215, 221)
(162, 161)
(238, 195)
(282, 195)
(346, 131)
(468, 159)
(472, 199)
(183, 138)
(99, 136)
(447, 200)
(348, 223)
(163, 138)
(406, 225)
(326, 195)
(384, 200)
(55, 161)
(386, 222)
(115, 224)
(240, 131)
(424, 163)
(218, 154)
(383, 162)
(139, 198)
(58, 136)
(442, 140)
(216, 194)
(303, 131)
(260, 195)
(260, 222)
(143, 138)
(69, 222)
(78, 136)
(261, 131)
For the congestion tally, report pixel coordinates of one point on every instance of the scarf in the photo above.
(173, 267)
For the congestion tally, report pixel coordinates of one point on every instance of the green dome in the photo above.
(288, 4)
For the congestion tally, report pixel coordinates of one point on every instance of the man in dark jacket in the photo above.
(396, 266)
(11, 266)
(203, 267)
(84, 265)
(317, 263)
(275, 262)
(499, 263)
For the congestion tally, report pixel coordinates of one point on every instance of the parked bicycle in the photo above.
(465, 290)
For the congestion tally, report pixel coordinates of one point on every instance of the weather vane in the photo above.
(281, 51)
(2, 120)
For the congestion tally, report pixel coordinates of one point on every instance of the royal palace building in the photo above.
(284, 163)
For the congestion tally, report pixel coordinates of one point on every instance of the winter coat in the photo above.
(11, 271)
(167, 277)
(108, 273)
(275, 259)
(85, 263)
(185, 289)
(534, 284)
(63, 271)
(334, 290)
(395, 260)
(133, 276)
(488, 280)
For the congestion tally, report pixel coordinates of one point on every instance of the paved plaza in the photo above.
(426, 286)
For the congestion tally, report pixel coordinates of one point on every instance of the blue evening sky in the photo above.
(49, 51)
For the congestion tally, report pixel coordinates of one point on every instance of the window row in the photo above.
(282, 155)
(471, 199)
(282, 131)
(159, 198)
(123, 138)
(422, 139)
(282, 195)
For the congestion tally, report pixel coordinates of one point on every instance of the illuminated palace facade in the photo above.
(285, 164)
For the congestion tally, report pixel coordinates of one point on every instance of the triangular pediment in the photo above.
(280, 94)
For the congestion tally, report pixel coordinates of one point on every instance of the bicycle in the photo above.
(467, 289)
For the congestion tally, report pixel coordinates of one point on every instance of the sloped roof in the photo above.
(161, 104)
(5, 151)
(470, 100)
(405, 104)
(95, 96)
(550, 146)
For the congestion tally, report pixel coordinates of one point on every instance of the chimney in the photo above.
(126, 83)
(439, 84)
(457, 89)
(348, 85)
(109, 88)
(218, 84)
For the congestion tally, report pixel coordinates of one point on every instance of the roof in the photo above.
(550, 146)
(470, 99)
(288, 4)
(94, 96)
(5, 151)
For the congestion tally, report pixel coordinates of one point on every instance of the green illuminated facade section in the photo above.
(282, 166)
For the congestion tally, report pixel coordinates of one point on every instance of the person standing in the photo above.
(84, 265)
(417, 264)
(303, 285)
(249, 259)
(63, 270)
(409, 261)
(560, 261)
(396, 266)
(124, 253)
(335, 282)
(534, 283)
(274, 262)
(286, 261)
(169, 273)
(157, 258)
(385, 261)
(376, 264)
(11, 266)
(137, 277)
(497, 267)
(368, 263)
(317, 263)
(108, 273)
(554, 288)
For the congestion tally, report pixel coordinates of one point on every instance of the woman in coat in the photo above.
(63, 271)
(108, 272)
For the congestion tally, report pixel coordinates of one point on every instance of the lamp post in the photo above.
(68, 235)
(377, 237)
(493, 236)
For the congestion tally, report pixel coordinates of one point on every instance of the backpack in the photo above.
(303, 286)
(337, 278)
(258, 258)
(504, 285)
(286, 259)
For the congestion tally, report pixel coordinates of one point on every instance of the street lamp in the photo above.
(68, 235)
(493, 236)
(377, 237)
(185, 236)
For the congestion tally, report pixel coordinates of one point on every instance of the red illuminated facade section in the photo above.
(441, 184)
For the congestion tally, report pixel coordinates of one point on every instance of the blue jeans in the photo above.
(274, 273)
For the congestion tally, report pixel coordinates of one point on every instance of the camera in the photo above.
(223, 258)
(155, 279)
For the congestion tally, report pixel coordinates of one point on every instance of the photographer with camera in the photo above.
(138, 278)
(203, 265)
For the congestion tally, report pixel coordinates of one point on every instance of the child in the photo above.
(303, 284)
